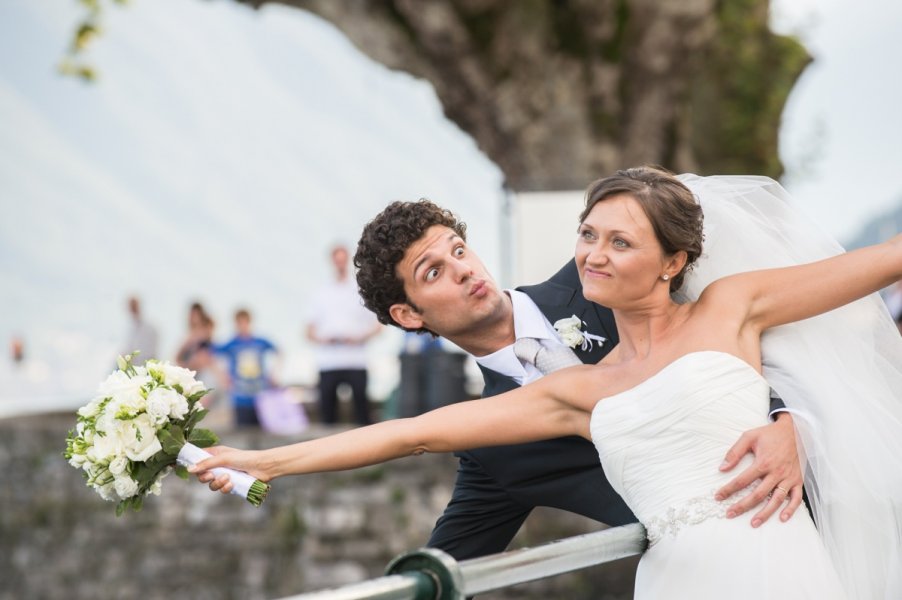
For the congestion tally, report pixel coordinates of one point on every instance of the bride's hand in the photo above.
(224, 456)
(776, 465)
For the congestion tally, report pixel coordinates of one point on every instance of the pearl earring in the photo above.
(665, 277)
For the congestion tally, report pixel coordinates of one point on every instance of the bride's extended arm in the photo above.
(534, 412)
(785, 295)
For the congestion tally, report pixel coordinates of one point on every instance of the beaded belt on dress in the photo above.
(691, 512)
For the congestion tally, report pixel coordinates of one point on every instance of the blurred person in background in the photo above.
(340, 327)
(248, 372)
(17, 350)
(142, 336)
(196, 353)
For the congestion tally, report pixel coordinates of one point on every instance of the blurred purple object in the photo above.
(279, 413)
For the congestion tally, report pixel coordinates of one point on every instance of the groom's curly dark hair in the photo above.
(382, 245)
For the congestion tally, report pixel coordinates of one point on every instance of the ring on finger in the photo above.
(785, 492)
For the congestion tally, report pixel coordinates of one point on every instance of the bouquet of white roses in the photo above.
(139, 428)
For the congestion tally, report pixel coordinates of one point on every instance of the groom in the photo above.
(415, 271)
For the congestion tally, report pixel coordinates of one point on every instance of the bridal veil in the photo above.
(840, 375)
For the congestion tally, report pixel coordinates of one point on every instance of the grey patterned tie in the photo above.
(545, 359)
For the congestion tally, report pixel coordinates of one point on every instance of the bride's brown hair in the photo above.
(674, 214)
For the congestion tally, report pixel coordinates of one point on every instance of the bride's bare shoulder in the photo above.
(579, 386)
(726, 299)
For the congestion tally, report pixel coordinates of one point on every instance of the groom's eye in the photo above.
(431, 274)
(459, 251)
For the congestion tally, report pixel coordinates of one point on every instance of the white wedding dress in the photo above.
(660, 444)
(839, 374)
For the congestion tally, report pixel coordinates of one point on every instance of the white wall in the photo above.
(544, 233)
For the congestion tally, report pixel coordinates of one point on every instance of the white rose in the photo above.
(118, 465)
(91, 408)
(125, 486)
(107, 446)
(119, 383)
(175, 375)
(116, 380)
(569, 330)
(140, 438)
(129, 401)
(107, 492)
(572, 338)
(77, 460)
(159, 404)
(179, 407)
(107, 421)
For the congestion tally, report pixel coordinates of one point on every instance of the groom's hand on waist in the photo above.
(776, 465)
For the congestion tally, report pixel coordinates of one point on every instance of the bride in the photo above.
(686, 379)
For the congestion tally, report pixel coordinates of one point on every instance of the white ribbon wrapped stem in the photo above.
(190, 455)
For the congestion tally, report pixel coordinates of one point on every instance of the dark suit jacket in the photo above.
(497, 487)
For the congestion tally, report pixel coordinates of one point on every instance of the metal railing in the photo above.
(430, 574)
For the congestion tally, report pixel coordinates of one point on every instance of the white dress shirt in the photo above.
(528, 322)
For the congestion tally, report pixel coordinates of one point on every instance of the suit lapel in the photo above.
(495, 382)
(557, 301)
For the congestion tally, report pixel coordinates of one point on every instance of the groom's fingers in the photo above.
(775, 500)
(741, 481)
(795, 500)
(759, 494)
(743, 446)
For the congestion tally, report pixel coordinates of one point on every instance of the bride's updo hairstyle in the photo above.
(674, 214)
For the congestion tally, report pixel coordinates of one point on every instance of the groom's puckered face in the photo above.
(450, 291)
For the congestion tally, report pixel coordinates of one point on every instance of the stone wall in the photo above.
(60, 540)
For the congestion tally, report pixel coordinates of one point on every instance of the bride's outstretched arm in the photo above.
(785, 295)
(534, 412)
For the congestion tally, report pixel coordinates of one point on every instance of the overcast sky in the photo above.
(841, 138)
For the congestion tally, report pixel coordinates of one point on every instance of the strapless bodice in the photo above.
(661, 442)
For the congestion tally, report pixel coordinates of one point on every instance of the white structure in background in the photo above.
(543, 235)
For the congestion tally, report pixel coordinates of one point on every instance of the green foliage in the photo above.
(739, 94)
(172, 439)
(203, 438)
(88, 30)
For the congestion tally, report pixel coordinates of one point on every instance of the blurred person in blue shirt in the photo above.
(247, 368)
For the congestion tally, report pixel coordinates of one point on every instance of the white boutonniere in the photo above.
(570, 330)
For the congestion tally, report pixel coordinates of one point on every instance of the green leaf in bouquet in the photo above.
(156, 462)
(182, 471)
(146, 473)
(143, 474)
(198, 395)
(136, 503)
(156, 373)
(70, 444)
(194, 418)
(203, 438)
(172, 439)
